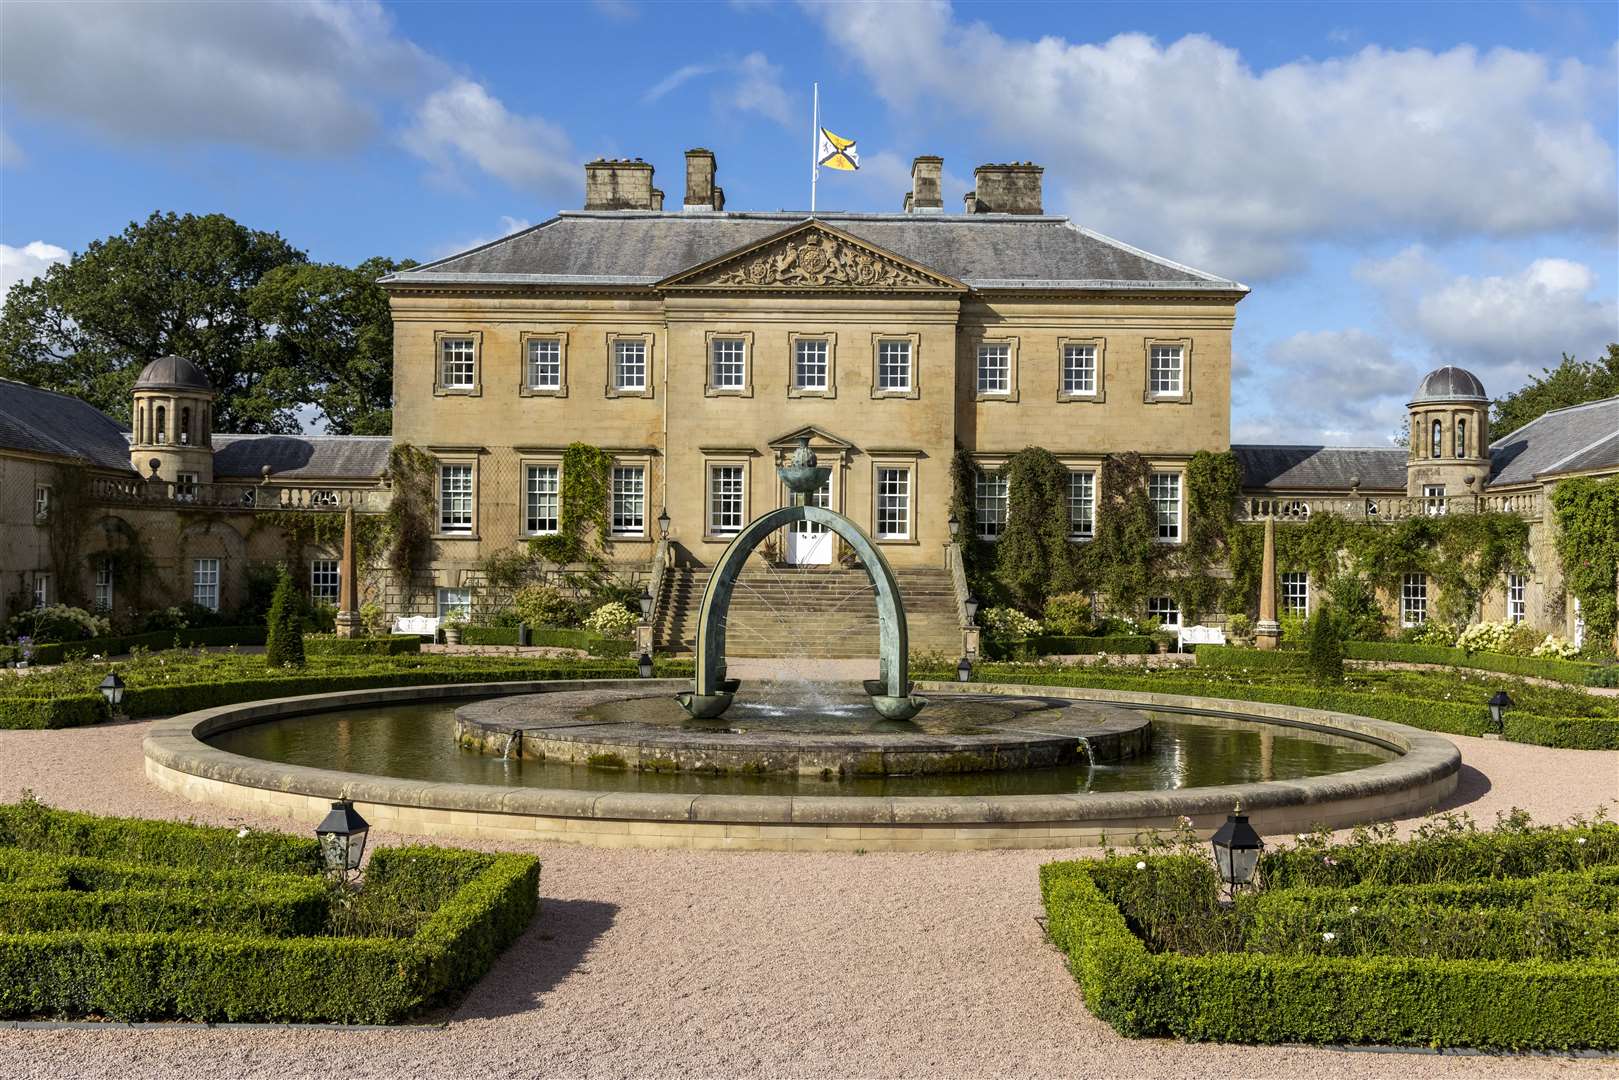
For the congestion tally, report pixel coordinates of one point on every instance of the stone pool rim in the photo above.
(180, 761)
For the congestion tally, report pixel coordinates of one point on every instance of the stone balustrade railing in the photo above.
(239, 497)
(1525, 504)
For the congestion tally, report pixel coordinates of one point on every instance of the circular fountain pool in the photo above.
(432, 760)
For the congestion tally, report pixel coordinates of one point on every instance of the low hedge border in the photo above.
(1258, 998)
(551, 637)
(1067, 645)
(389, 645)
(274, 909)
(56, 652)
(1569, 671)
(79, 710)
(34, 827)
(1468, 856)
(474, 905)
(1453, 718)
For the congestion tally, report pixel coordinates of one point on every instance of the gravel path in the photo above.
(647, 963)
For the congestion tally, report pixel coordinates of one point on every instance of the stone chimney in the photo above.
(657, 198)
(702, 194)
(969, 203)
(1007, 189)
(925, 196)
(619, 184)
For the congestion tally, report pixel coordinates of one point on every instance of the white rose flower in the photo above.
(241, 832)
(1141, 866)
(1328, 936)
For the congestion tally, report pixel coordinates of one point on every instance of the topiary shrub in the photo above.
(284, 646)
(1326, 650)
(1068, 614)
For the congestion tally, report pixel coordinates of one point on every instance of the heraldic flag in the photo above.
(837, 152)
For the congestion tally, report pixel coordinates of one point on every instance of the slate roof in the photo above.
(985, 251)
(1449, 384)
(45, 422)
(301, 457)
(1321, 468)
(1574, 439)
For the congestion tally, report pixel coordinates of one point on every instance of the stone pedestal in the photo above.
(1267, 631)
(349, 624)
(970, 641)
(643, 639)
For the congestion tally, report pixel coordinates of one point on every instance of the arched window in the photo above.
(140, 424)
(185, 427)
(1438, 439)
(162, 435)
(1461, 437)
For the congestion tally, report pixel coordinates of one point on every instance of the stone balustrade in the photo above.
(1525, 504)
(237, 496)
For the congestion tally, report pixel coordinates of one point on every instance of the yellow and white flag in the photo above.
(836, 152)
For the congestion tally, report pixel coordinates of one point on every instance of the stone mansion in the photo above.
(696, 344)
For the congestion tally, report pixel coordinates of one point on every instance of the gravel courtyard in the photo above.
(646, 963)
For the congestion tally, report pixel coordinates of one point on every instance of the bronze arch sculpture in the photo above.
(891, 691)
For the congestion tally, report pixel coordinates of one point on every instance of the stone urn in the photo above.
(452, 634)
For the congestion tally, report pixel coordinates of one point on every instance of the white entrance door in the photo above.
(809, 544)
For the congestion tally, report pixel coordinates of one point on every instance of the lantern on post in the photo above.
(1236, 850)
(964, 670)
(112, 688)
(971, 605)
(1499, 704)
(663, 523)
(955, 527)
(646, 604)
(342, 838)
(643, 666)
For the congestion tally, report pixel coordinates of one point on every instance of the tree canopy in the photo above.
(1572, 382)
(272, 331)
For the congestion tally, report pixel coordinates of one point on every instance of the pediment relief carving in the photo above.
(813, 258)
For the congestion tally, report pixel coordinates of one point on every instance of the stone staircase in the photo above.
(819, 612)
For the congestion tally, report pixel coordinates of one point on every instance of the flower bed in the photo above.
(169, 936)
(56, 652)
(176, 683)
(1569, 671)
(1478, 940)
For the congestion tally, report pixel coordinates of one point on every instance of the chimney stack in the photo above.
(702, 194)
(925, 196)
(620, 184)
(1013, 188)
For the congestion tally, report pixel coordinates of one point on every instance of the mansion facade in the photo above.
(697, 345)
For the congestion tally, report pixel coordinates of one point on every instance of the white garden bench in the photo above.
(424, 625)
(1199, 635)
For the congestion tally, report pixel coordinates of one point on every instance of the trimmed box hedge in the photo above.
(551, 637)
(1067, 645)
(1569, 671)
(1231, 656)
(56, 652)
(1237, 995)
(426, 925)
(386, 645)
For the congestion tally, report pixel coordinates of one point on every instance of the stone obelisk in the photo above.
(1268, 632)
(348, 600)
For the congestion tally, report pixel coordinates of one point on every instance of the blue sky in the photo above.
(1403, 185)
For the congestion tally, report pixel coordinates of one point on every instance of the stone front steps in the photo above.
(818, 612)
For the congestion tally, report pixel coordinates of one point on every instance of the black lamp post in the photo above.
(1236, 850)
(643, 666)
(112, 688)
(964, 670)
(971, 605)
(663, 523)
(1499, 703)
(646, 604)
(342, 838)
(955, 527)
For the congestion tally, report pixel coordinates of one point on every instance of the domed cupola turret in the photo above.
(173, 422)
(1450, 438)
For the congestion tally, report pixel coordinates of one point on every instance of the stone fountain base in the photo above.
(840, 735)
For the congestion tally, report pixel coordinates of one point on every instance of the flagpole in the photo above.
(815, 146)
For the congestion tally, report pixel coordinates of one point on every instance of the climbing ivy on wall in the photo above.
(1034, 557)
(586, 472)
(1588, 545)
(410, 519)
(1121, 561)
(69, 519)
(303, 528)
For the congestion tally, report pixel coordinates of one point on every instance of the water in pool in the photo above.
(417, 742)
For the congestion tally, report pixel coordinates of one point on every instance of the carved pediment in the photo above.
(812, 256)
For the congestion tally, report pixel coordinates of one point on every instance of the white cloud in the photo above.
(300, 77)
(464, 124)
(1186, 149)
(27, 262)
(1502, 327)
(1328, 387)
(618, 10)
(881, 183)
(11, 155)
(676, 79)
(758, 89)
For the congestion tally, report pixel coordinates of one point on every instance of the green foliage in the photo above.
(1069, 614)
(1231, 657)
(135, 940)
(68, 521)
(334, 330)
(284, 642)
(386, 645)
(612, 620)
(1354, 605)
(1156, 956)
(584, 523)
(545, 605)
(1122, 558)
(412, 472)
(1572, 382)
(1213, 483)
(978, 557)
(1034, 555)
(551, 637)
(1588, 547)
(1326, 652)
(1039, 645)
(171, 284)
(56, 622)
